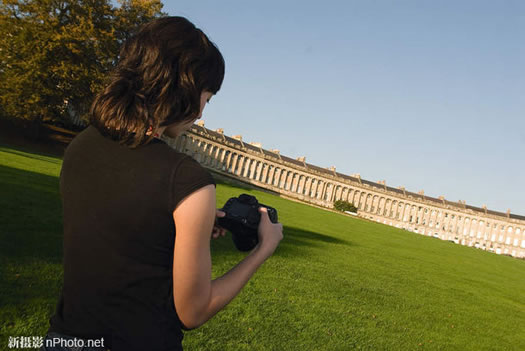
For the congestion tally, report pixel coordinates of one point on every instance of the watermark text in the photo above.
(23, 342)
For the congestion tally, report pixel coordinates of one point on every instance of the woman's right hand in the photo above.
(270, 234)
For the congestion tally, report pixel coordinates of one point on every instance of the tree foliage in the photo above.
(56, 54)
(344, 206)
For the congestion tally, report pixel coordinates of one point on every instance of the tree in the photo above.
(56, 54)
(344, 206)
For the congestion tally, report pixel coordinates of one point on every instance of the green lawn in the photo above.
(335, 283)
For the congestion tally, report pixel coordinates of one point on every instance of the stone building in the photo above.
(501, 233)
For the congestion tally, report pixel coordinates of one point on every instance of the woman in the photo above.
(138, 216)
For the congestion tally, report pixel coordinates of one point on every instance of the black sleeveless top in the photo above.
(119, 237)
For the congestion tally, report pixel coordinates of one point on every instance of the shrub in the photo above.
(344, 206)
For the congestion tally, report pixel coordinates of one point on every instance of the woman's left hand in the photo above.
(218, 231)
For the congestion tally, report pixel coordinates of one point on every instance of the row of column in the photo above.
(424, 219)
(435, 220)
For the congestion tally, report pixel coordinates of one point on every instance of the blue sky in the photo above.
(423, 94)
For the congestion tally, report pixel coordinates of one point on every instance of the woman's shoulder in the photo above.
(187, 177)
(93, 146)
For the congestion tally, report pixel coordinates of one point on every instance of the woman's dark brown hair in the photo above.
(161, 73)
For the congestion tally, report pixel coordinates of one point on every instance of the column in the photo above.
(227, 164)
(282, 181)
(302, 181)
(259, 170)
(255, 166)
(324, 189)
(277, 177)
(294, 182)
(288, 180)
(240, 164)
(271, 173)
(247, 166)
(216, 157)
(222, 159)
(320, 190)
(308, 186)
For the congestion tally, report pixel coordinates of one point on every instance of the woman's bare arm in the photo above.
(198, 298)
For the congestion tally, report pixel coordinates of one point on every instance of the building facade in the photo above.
(501, 233)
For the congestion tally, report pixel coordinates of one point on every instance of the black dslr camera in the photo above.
(242, 220)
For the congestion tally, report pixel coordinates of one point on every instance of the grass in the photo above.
(335, 283)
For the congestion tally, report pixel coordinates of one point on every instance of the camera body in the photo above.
(242, 220)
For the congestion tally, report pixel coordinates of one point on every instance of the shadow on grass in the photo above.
(30, 241)
(31, 216)
(295, 237)
(15, 139)
(294, 243)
